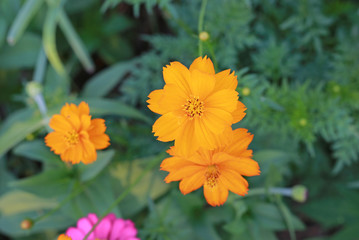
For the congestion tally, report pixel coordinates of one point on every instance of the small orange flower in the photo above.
(63, 237)
(217, 170)
(196, 105)
(76, 136)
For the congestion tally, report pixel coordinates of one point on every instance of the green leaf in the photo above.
(37, 150)
(269, 216)
(3, 27)
(56, 87)
(75, 41)
(50, 183)
(15, 129)
(103, 82)
(40, 67)
(332, 210)
(92, 170)
(49, 39)
(152, 184)
(101, 106)
(11, 225)
(348, 232)
(22, 20)
(22, 55)
(96, 197)
(287, 217)
(5, 176)
(17, 201)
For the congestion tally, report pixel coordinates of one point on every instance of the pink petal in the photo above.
(102, 231)
(93, 218)
(84, 225)
(75, 233)
(118, 226)
(130, 230)
(111, 217)
(129, 223)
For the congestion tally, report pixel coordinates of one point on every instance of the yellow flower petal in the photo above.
(193, 182)
(76, 137)
(215, 196)
(155, 97)
(216, 119)
(239, 113)
(201, 84)
(202, 64)
(186, 142)
(167, 127)
(60, 123)
(226, 80)
(83, 109)
(242, 138)
(54, 139)
(234, 181)
(177, 74)
(225, 99)
(243, 166)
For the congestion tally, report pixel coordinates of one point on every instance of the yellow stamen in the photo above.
(72, 137)
(194, 107)
(212, 175)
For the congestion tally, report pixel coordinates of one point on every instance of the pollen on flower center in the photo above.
(212, 175)
(72, 137)
(193, 107)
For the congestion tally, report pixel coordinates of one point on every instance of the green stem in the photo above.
(128, 190)
(274, 190)
(211, 51)
(63, 202)
(200, 26)
(40, 67)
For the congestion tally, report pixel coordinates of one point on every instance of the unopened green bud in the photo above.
(246, 91)
(33, 88)
(336, 88)
(303, 122)
(299, 193)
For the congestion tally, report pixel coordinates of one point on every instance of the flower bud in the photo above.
(303, 122)
(203, 36)
(26, 224)
(246, 91)
(33, 88)
(299, 193)
(336, 88)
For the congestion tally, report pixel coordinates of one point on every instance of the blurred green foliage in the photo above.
(297, 64)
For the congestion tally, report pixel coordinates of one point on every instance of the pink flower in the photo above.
(110, 228)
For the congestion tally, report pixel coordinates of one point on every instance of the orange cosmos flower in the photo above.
(63, 237)
(196, 105)
(217, 170)
(76, 136)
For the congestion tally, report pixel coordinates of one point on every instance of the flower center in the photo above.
(212, 175)
(193, 107)
(72, 137)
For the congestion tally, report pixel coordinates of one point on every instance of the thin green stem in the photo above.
(62, 203)
(200, 26)
(211, 51)
(274, 190)
(128, 190)
(180, 23)
(40, 67)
